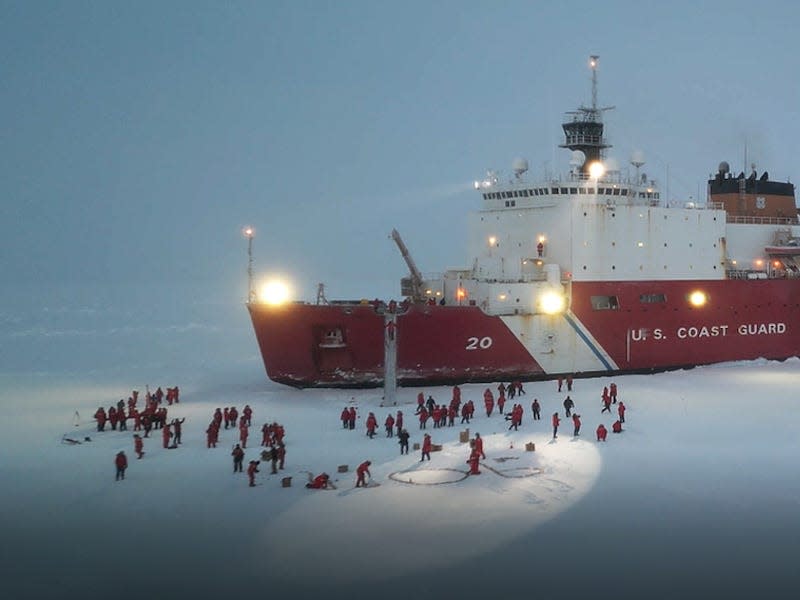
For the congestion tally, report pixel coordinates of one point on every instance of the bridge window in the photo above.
(604, 303)
(652, 298)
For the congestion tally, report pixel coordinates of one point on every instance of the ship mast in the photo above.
(585, 131)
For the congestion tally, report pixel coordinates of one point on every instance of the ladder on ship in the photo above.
(390, 358)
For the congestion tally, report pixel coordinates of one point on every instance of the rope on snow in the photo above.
(398, 475)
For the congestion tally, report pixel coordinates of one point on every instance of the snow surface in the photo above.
(699, 495)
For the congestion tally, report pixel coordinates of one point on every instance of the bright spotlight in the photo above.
(698, 298)
(274, 292)
(596, 170)
(552, 303)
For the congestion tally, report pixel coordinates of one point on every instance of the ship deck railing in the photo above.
(761, 275)
(747, 220)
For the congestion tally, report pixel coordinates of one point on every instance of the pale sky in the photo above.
(139, 138)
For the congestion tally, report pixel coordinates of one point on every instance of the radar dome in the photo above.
(637, 158)
(578, 158)
(724, 167)
(520, 165)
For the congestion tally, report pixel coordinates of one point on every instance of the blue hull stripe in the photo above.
(588, 342)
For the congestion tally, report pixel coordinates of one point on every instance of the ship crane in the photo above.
(415, 288)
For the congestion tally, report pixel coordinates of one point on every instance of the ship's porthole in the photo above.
(613, 267)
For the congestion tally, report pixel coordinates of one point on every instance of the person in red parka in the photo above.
(621, 411)
(361, 472)
(617, 426)
(112, 417)
(488, 402)
(612, 391)
(227, 417)
(352, 421)
(247, 413)
(576, 422)
(420, 403)
(266, 435)
(345, 418)
(426, 447)
(100, 415)
(601, 433)
(121, 462)
(473, 461)
(398, 421)
(389, 424)
(243, 433)
(166, 434)
(423, 418)
(501, 401)
(252, 470)
(211, 435)
(372, 423)
(280, 451)
(320, 482)
(477, 445)
(138, 445)
(556, 423)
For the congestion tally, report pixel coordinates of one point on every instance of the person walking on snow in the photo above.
(166, 434)
(621, 411)
(121, 462)
(403, 440)
(238, 458)
(477, 445)
(398, 422)
(389, 424)
(473, 461)
(372, 423)
(576, 422)
(612, 391)
(617, 426)
(556, 423)
(177, 427)
(568, 405)
(488, 402)
(536, 408)
(281, 450)
(361, 473)
(138, 445)
(251, 472)
(601, 433)
(426, 447)
(243, 433)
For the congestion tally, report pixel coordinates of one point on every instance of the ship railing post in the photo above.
(390, 358)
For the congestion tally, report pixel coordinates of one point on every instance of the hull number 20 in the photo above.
(475, 343)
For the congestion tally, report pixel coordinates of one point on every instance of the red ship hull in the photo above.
(342, 345)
